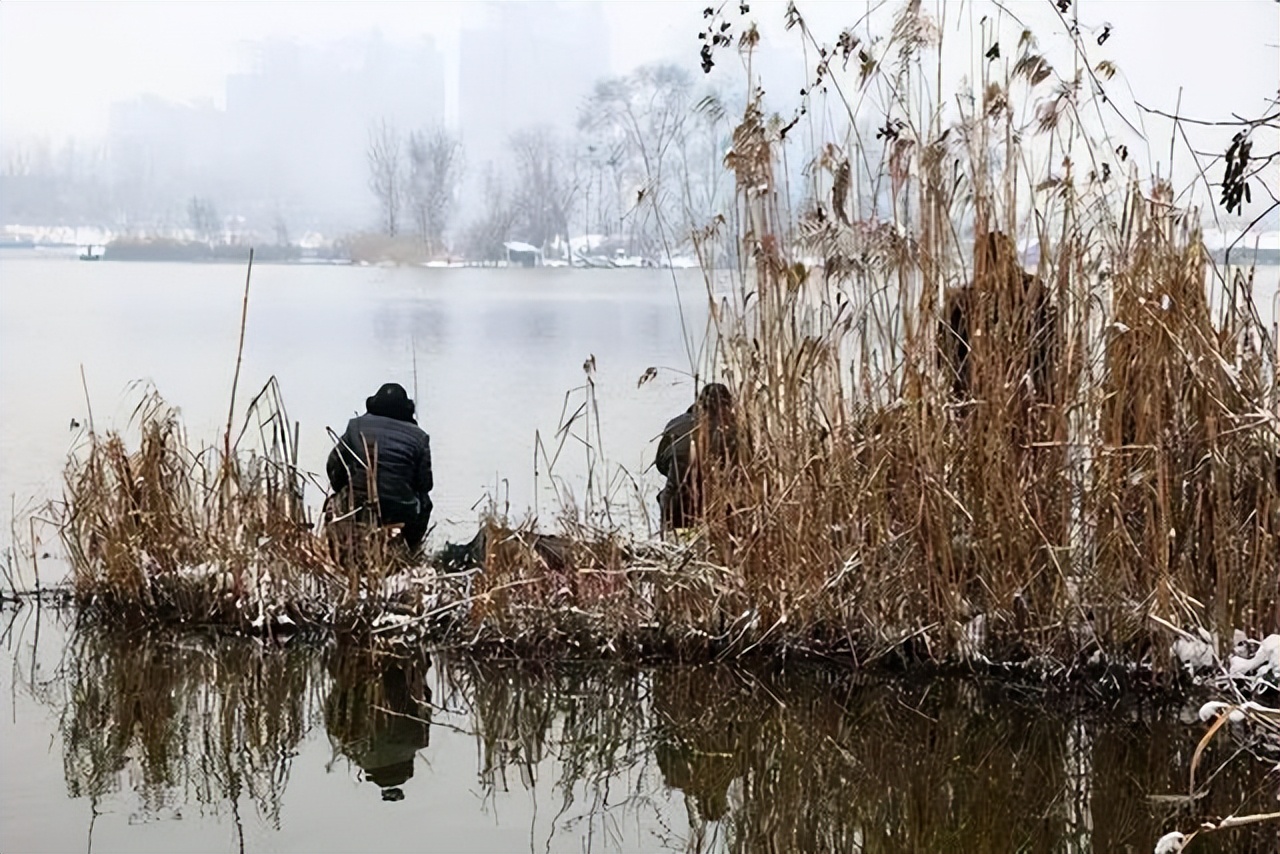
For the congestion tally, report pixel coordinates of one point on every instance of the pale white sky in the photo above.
(63, 63)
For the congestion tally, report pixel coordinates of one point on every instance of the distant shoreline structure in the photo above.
(360, 250)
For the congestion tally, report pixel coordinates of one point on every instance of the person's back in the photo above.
(385, 454)
(706, 429)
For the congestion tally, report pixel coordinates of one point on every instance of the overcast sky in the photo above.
(62, 63)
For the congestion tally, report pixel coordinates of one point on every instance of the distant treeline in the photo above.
(1247, 255)
(169, 249)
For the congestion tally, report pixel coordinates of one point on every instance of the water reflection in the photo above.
(378, 712)
(701, 718)
(713, 758)
(183, 721)
(425, 327)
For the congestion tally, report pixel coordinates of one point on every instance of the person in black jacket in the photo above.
(383, 460)
(705, 431)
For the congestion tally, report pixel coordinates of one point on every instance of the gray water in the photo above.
(499, 358)
(181, 743)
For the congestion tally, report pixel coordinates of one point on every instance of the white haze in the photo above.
(168, 91)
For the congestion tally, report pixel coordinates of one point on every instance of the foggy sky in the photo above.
(64, 64)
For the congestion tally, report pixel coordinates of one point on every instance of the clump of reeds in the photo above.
(1102, 454)
(941, 450)
(171, 532)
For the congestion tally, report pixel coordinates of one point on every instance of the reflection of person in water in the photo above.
(379, 715)
(704, 736)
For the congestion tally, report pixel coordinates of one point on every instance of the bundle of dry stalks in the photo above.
(170, 533)
(1103, 454)
(942, 449)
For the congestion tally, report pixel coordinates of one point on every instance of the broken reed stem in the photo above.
(235, 378)
(88, 405)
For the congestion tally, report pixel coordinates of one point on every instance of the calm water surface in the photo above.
(177, 743)
(499, 362)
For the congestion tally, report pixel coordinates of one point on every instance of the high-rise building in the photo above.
(159, 153)
(298, 121)
(531, 63)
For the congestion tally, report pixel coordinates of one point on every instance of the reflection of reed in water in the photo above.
(378, 712)
(829, 763)
(590, 719)
(203, 722)
(816, 759)
(808, 759)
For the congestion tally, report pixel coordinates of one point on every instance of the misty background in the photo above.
(463, 125)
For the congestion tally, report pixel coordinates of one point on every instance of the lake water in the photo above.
(170, 744)
(499, 362)
(166, 743)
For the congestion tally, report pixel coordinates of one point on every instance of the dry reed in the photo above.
(940, 452)
(167, 533)
(1105, 452)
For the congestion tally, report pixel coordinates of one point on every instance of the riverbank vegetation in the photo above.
(944, 457)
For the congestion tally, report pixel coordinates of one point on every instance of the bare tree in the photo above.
(644, 115)
(40, 183)
(484, 237)
(204, 220)
(282, 230)
(546, 186)
(386, 174)
(647, 108)
(601, 205)
(435, 173)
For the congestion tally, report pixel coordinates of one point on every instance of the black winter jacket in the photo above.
(674, 449)
(402, 455)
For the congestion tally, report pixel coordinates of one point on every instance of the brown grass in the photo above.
(168, 534)
(1111, 454)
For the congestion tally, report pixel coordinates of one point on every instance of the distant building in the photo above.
(298, 120)
(159, 153)
(522, 254)
(530, 63)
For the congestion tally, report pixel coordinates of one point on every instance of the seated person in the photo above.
(704, 431)
(384, 453)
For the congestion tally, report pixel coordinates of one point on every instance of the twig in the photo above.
(1237, 122)
(235, 379)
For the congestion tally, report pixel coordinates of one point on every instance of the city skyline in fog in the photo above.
(63, 63)
(93, 54)
(266, 110)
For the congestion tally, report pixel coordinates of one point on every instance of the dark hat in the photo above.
(391, 401)
(715, 396)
